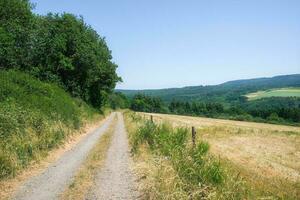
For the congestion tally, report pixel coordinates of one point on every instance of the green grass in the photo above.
(195, 173)
(35, 117)
(281, 92)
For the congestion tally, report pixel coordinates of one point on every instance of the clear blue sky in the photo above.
(175, 43)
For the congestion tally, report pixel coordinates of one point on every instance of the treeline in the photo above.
(145, 103)
(275, 109)
(231, 92)
(58, 48)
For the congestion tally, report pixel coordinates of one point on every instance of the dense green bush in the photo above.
(34, 118)
(16, 23)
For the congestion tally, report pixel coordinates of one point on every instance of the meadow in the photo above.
(281, 92)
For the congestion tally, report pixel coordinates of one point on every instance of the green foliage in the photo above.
(118, 100)
(193, 165)
(228, 93)
(275, 108)
(226, 100)
(273, 117)
(145, 103)
(70, 51)
(281, 92)
(16, 23)
(59, 48)
(34, 118)
(196, 108)
(283, 110)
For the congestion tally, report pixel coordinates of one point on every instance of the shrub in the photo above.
(34, 118)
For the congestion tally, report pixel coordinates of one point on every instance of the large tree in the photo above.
(70, 51)
(16, 23)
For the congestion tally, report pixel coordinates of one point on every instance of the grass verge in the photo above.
(85, 176)
(170, 168)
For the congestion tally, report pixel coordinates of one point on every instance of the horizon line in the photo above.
(265, 77)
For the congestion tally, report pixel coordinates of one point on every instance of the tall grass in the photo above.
(179, 170)
(193, 164)
(34, 118)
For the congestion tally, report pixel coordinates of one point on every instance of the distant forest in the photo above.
(227, 93)
(282, 110)
(226, 101)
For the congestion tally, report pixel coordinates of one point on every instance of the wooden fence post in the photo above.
(194, 136)
(151, 117)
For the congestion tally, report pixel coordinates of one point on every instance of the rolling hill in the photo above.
(228, 92)
(280, 92)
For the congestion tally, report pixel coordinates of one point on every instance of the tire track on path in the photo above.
(116, 180)
(49, 184)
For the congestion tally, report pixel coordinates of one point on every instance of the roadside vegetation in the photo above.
(56, 74)
(172, 168)
(35, 117)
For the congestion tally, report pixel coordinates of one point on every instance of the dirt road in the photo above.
(116, 179)
(49, 184)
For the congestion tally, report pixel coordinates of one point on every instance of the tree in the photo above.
(141, 102)
(16, 22)
(69, 51)
(118, 100)
(273, 117)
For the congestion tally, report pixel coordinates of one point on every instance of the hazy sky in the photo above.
(175, 43)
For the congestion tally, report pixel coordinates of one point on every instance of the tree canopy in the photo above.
(59, 48)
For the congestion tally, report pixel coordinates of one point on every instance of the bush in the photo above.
(34, 118)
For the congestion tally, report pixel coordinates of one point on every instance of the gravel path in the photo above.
(116, 180)
(49, 184)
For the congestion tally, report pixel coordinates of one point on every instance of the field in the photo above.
(282, 92)
(267, 156)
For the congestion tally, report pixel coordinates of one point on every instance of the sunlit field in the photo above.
(266, 156)
(282, 92)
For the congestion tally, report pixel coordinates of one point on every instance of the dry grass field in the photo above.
(267, 155)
